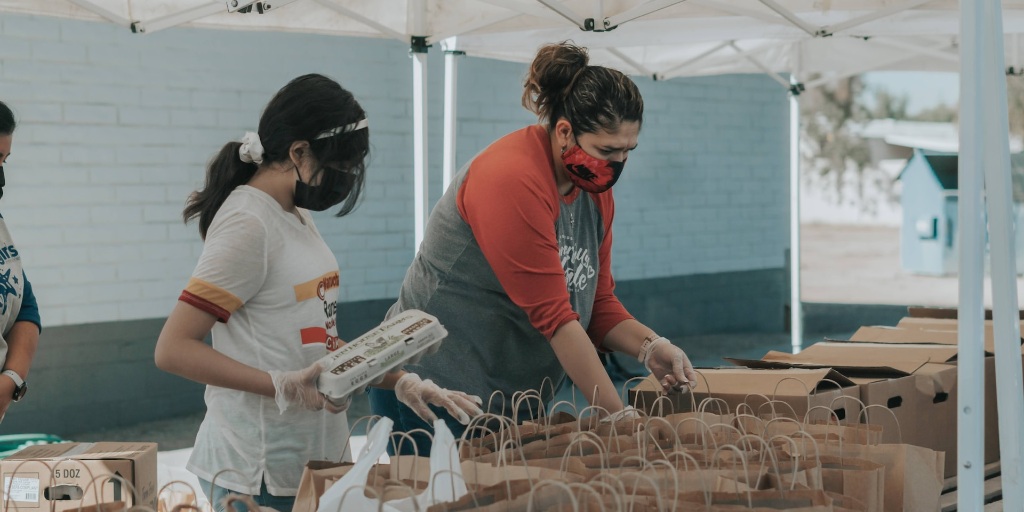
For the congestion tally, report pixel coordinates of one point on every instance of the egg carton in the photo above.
(398, 341)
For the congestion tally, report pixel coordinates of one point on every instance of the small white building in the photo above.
(874, 199)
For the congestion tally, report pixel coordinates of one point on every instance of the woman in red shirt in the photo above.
(516, 260)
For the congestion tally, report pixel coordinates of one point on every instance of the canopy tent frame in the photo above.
(988, 109)
(970, 315)
(102, 12)
(794, 88)
(984, 112)
(992, 120)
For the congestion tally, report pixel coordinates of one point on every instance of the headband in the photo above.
(358, 125)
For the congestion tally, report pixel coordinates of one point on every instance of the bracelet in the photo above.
(648, 344)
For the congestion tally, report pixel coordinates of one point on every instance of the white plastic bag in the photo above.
(446, 483)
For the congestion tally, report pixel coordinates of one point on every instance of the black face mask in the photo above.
(3, 182)
(334, 187)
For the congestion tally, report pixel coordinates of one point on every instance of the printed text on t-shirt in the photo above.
(576, 264)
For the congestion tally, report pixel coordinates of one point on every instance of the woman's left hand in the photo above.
(669, 364)
(417, 394)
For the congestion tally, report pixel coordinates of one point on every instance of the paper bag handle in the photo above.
(646, 437)
(746, 470)
(864, 414)
(119, 480)
(490, 401)
(605, 486)
(647, 427)
(702, 408)
(703, 433)
(638, 476)
(805, 435)
(588, 437)
(774, 413)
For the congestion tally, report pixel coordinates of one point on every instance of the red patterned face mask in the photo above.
(589, 173)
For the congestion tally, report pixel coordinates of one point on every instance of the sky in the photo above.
(924, 89)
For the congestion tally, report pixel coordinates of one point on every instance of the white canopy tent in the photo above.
(831, 43)
(718, 37)
(667, 38)
(419, 23)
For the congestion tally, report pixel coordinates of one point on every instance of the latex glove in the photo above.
(669, 364)
(627, 413)
(298, 388)
(417, 394)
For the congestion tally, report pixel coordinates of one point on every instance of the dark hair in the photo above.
(7, 123)
(308, 106)
(562, 84)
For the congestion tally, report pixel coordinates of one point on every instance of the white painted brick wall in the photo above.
(116, 128)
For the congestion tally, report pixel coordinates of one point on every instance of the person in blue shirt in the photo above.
(19, 314)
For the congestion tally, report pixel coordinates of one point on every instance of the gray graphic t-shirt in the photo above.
(502, 285)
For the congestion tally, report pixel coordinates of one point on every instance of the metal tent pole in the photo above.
(418, 49)
(451, 79)
(971, 366)
(796, 317)
(998, 192)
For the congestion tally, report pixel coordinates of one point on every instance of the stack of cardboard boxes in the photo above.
(904, 377)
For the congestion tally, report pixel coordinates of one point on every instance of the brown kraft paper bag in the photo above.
(913, 474)
(802, 500)
(862, 479)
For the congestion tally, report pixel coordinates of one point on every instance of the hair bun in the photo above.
(552, 74)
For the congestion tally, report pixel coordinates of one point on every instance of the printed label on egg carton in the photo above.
(364, 361)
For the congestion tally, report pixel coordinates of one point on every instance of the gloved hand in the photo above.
(627, 413)
(669, 364)
(298, 388)
(417, 394)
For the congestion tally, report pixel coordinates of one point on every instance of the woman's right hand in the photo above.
(298, 388)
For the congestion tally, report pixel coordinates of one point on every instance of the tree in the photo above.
(1015, 103)
(829, 115)
(831, 150)
(940, 113)
(888, 105)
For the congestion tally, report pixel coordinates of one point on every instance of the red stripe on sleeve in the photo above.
(205, 305)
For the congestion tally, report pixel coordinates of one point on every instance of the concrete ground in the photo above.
(861, 265)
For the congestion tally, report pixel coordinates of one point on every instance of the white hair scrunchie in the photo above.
(251, 150)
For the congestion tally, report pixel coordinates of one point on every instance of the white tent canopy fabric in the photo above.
(760, 40)
(382, 18)
(668, 38)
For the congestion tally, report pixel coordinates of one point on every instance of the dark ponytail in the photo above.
(302, 110)
(7, 123)
(561, 83)
(224, 173)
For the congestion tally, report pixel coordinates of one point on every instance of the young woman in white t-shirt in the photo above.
(266, 287)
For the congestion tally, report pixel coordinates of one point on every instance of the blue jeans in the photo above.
(383, 402)
(264, 499)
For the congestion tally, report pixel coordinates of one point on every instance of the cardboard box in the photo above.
(917, 382)
(925, 405)
(950, 325)
(801, 388)
(857, 359)
(950, 313)
(66, 476)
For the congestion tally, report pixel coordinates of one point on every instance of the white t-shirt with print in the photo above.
(273, 284)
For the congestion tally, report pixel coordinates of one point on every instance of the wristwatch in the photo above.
(20, 386)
